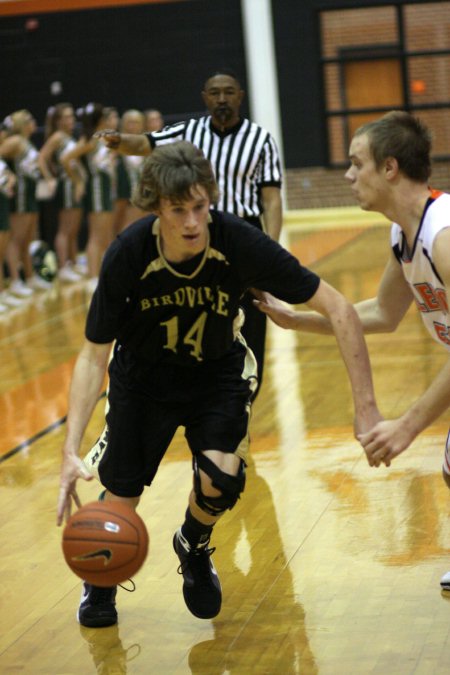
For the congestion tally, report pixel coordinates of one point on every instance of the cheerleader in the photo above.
(60, 124)
(127, 173)
(7, 183)
(18, 150)
(97, 189)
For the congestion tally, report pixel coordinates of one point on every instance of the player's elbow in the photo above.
(342, 313)
(388, 321)
(377, 318)
(390, 327)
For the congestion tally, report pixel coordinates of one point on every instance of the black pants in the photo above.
(210, 400)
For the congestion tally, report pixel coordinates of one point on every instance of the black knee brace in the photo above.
(230, 486)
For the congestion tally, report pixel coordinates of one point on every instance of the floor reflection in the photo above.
(274, 638)
(407, 530)
(109, 655)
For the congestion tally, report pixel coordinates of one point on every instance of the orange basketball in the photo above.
(105, 543)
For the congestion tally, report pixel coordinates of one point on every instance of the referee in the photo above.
(246, 164)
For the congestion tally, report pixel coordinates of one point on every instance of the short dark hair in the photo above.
(222, 71)
(170, 172)
(403, 136)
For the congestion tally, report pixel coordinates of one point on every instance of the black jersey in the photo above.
(186, 313)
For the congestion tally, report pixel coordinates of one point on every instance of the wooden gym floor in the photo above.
(328, 566)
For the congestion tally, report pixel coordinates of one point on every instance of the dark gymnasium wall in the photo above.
(141, 56)
(159, 55)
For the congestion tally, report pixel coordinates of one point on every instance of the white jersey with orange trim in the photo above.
(419, 269)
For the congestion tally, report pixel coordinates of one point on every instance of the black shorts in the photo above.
(212, 402)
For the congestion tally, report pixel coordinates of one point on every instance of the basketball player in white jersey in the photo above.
(389, 172)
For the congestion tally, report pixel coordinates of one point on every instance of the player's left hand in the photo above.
(385, 441)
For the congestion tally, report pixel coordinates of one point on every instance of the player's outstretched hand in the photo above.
(72, 469)
(109, 137)
(385, 441)
(277, 310)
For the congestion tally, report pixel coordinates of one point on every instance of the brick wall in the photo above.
(318, 187)
(428, 77)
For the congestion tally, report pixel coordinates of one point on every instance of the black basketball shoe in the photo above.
(201, 587)
(98, 606)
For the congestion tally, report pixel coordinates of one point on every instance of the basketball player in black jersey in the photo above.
(167, 302)
(246, 165)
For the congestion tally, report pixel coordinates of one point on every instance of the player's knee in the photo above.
(222, 491)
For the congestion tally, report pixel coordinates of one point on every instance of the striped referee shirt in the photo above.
(244, 158)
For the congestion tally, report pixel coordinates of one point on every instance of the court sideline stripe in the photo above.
(38, 435)
(30, 441)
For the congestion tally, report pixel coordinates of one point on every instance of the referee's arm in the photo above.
(126, 144)
(272, 210)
